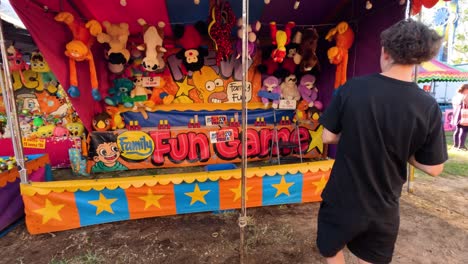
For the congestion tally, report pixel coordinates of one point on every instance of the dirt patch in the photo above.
(434, 229)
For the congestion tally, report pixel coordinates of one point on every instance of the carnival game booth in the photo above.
(158, 89)
(11, 203)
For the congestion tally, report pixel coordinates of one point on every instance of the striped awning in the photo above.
(435, 70)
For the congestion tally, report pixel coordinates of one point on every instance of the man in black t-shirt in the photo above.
(380, 122)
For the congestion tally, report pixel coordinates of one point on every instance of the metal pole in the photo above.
(245, 64)
(10, 106)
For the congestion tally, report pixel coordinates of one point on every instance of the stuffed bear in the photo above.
(116, 36)
(309, 91)
(289, 88)
(270, 91)
(120, 93)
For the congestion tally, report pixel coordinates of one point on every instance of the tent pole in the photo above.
(245, 63)
(10, 106)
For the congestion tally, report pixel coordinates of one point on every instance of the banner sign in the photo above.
(180, 146)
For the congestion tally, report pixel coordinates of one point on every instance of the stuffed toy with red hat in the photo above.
(189, 37)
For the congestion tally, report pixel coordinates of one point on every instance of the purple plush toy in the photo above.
(309, 92)
(252, 39)
(271, 90)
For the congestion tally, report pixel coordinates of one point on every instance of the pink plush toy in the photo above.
(270, 91)
(309, 91)
(60, 131)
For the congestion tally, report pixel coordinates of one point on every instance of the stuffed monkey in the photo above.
(344, 37)
(306, 56)
(79, 49)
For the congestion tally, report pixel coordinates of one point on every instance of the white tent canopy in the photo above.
(8, 14)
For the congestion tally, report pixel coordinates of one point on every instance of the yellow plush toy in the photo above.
(45, 131)
(76, 129)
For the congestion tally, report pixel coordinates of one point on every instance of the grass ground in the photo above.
(456, 165)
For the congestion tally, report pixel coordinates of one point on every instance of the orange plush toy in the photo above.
(344, 37)
(79, 49)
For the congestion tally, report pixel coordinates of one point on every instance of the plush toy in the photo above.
(16, 62)
(417, 5)
(45, 131)
(301, 111)
(60, 131)
(40, 65)
(116, 36)
(153, 45)
(270, 91)
(221, 22)
(79, 49)
(76, 129)
(38, 121)
(139, 94)
(344, 37)
(306, 56)
(25, 128)
(161, 95)
(289, 88)
(116, 119)
(252, 38)
(120, 93)
(309, 91)
(102, 122)
(280, 38)
(190, 38)
(289, 64)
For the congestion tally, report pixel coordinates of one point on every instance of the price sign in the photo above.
(223, 135)
(216, 120)
(39, 143)
(287, 104)
(151, 81)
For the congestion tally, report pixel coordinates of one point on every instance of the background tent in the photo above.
(51, 36)
(438, 71)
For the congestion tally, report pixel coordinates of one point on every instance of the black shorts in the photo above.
(370, 239)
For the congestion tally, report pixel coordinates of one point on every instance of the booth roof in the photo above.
(51, 36)
(435, 70)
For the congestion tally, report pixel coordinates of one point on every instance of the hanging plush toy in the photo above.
(344, 37)
(309, 91)
(153, 45)
(39, 65)
(291, 51)
(191, 54)
(280, 38)
(221, 22)
(79, 49)
(16, 62)
(289, 88)
(116, 119)
(270, 91)
(102, 122)
(116, 36)
(306, 56)
(252, 38)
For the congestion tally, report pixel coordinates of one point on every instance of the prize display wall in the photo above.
(158, 89)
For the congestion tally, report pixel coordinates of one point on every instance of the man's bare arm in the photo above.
(329, 137)
(432, 170)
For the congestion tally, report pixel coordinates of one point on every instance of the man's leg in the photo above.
(464, 131)
(337, 259)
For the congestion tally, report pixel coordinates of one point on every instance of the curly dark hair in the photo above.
(410, 42)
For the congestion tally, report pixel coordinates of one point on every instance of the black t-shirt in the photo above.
(383, 122)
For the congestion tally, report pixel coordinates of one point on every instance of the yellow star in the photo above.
(237, 192)
(103, 204)
(316, 139)
(50, 211)
(151, 199)
(184, 87)
(320, 185)
(282, 187)
(197, 195)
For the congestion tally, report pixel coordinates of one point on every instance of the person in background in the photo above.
(380, 123)
(459, 101)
